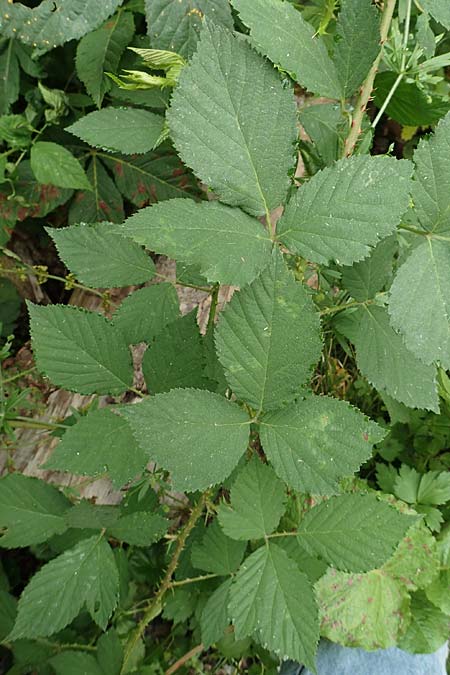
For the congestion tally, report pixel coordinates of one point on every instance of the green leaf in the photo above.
(176, 26)
(268, 339)
(322, 124)
(153, 177)
(345, 209)
(382, 357)
(214, 619)
(416, 561)
(9, 76)
(103, 203)
(99, 257)
(428, 629)
(109, 653)
(99, 442)
(86, 575)
(139, 528)
(145, 313)
(357, 43)
(244, 157)
(353, 532)
(439, 10)
(257, 503)
(430, 191)
(100, 51)
(74, 663)
(176, 357)
(230, 246)
(420, 302)
(410, 106)
(438, 592)
(86, 515)
(53, 22)
(316, 442)
(365, 279)
(217, 553)
(197, 435)
(280, 31)
(274, 602)
(8, 612)
(126, 130)
(52, 164)
(31, 511)
(367, 610)
(79, 350)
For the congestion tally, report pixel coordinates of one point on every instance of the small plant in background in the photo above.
(282, 474)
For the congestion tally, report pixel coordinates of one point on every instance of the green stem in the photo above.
(154, 607)
(213, 308)
(367, 87)
(28, 423)
(193, 580)
(17, 376)
(356, 303)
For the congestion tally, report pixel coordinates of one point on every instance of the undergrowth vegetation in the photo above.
(280, 472)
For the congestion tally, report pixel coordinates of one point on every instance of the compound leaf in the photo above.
(217, 553)
(54, 165)
(316, 442)
(280, 31)
(353, 532)
(74, 663)
(100, 442)
(196, 435)
(257, 503)
(79, 350)
(244, 156)
(346, 208)
(420, 302)
(428, 629)
(230, 246)
(100, 52)
(85, 575)
(145, 313)
(366, 278)
(274, 602)
(125, 130)
(439, 10)
(31, 511)
(102, 203)
(99, 257)
(268, 339)
(214, 619)
(140, 528)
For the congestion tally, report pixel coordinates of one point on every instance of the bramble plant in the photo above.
(277, 541)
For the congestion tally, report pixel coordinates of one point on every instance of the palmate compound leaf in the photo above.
(420, 302)
(280, 31)
(353, 532)
(101, 258)
(100, 52)
(52, 164)
(85, 575)
(80, 351)
(31, 511)
(230, 246)
(268, 339)
(146, 312)
(314, 443)
(345, 209)
(257, 503)
(100, 442)
(368, 610)
(271, 600)
(126, 130)
(233, 122)
(196, 435)
(383, 358)
(217, 553)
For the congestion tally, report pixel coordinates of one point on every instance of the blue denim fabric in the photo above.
(333, 659)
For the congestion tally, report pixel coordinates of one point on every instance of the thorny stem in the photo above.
(367, 86)
(356, 303)
(17, 376)
(153, 608)
(402, 72)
